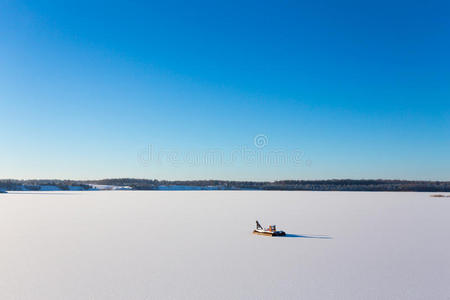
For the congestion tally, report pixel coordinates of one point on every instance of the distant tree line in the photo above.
(36, 184)
(282, 185)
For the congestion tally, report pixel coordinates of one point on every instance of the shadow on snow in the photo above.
(289, 235)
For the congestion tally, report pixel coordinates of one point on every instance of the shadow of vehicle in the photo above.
(289, 235)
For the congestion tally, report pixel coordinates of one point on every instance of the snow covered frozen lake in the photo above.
(199, 245)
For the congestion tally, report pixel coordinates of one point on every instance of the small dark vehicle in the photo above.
(271, 231)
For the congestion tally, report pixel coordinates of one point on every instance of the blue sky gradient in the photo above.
(361, 90)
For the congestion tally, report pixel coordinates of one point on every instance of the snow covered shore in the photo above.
(198, 245)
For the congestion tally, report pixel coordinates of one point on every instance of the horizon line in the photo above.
(229, 180)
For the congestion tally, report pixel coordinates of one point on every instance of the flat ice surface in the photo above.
(199, 245)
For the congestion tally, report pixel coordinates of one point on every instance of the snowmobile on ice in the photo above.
(271, 231)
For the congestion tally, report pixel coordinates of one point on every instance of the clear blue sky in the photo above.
(361, 89)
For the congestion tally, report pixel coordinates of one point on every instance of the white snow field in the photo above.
(199, 245)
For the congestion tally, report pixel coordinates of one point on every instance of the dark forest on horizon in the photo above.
(282, 185)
